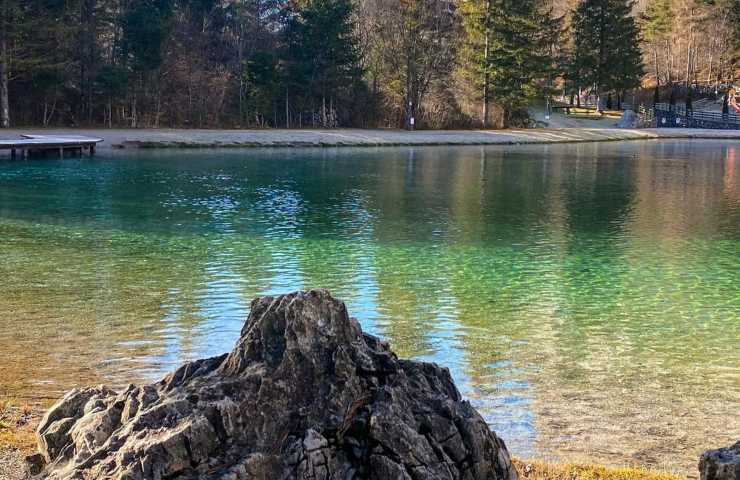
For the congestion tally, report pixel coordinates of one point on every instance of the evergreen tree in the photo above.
(111, 82)
(606, 54)
(225, 63)
(323, 59)
(145, 26)
(27, 30)
(261, 81)
(627, 69)
(250, 29)
(14, 24)
(508, 52)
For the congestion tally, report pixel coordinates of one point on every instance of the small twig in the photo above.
(351, 412)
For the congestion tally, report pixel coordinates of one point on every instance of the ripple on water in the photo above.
(585, 298)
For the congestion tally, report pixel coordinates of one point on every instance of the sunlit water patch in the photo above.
(586, 298)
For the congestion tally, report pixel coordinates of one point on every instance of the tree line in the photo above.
(328, 63)
(691, 42)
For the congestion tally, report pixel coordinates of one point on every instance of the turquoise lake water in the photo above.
(585, 297)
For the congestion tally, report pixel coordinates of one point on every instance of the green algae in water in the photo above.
(586, 297)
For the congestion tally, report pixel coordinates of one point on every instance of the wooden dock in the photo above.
(40, 144)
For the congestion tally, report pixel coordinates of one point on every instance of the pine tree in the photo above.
(627, 69)
(507, 51)
(323, 60)
(261, 80)
(27, 30)
(10, 15)
(606, 54)
(146, 24)
(250, 30)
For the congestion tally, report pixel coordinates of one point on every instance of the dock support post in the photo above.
(12, 153)
(61, 152)
(92, 149)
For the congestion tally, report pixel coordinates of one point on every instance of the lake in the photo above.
(586, 298)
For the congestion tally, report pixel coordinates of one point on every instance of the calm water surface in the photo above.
(585, 297)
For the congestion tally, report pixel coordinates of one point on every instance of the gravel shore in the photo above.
(175, 138)
(11, 464)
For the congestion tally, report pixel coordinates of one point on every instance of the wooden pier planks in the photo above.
(44, 143)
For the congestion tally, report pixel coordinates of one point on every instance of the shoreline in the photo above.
(201, 138)
(18, 440)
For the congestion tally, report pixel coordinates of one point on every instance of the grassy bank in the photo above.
(17, 423)
(539, 470)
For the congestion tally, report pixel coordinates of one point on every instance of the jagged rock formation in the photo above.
(303, 395)
(720, 464)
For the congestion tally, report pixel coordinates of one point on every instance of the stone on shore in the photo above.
(628, 120)
(721, 464)
(305, 394)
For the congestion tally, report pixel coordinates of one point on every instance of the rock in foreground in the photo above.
(303, 395)
(721, 464)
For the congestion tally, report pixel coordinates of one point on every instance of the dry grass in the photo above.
(538, 470)
(593, 115)
(17, 423)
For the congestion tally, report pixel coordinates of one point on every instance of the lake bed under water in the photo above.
(586, 298)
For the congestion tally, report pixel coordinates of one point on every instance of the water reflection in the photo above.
(586, 298)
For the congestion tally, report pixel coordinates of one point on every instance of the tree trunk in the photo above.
(688, 50)
(408, 122)
(669, 62)
(323, 112)
(600, 80)
(711, 63)
(158, 106)
(4, 74)
(48, 113)
(133, 112)
(486, 59)
(90, 54)
(4, 99)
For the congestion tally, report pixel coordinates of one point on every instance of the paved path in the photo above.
(162, 138)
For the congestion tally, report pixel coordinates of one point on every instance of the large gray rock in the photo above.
(629, 119)
(721, 464)
(303, 395)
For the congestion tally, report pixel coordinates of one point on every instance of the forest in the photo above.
(348, 63)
